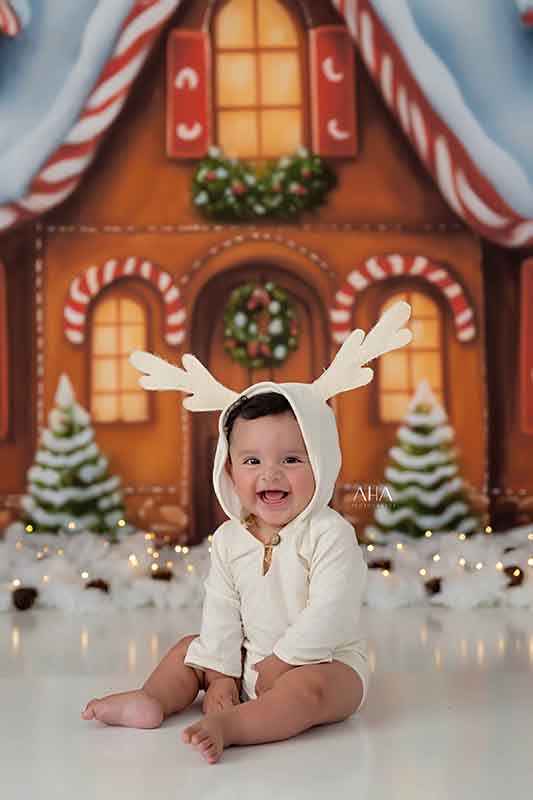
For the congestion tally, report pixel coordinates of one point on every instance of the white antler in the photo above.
(208, 393)
(346, 371)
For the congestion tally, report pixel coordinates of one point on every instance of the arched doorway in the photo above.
(207, 342)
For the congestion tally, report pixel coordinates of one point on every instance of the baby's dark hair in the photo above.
(260, 405)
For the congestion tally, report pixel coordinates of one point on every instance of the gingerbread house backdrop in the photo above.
(105, 247)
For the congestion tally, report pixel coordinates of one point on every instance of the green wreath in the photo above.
(260, 325)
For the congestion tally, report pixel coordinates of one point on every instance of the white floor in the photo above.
(449, 714)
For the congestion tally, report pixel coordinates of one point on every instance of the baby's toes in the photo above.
(88, 711)
(188, 733)
(209, 751)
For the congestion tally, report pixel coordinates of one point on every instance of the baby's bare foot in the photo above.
(130, 709)
(208, 736)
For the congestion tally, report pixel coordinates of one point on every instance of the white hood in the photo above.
(319, 430)
(309, 401)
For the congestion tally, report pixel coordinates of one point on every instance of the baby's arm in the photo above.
(217, 651)
(336, 585)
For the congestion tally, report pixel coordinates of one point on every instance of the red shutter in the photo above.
(188, 95)
(4, 371)
(526, 346)
(334, 124)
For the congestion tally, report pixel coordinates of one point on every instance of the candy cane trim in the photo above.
(86, 287)
(380, 268)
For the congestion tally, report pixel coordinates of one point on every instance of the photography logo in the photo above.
(373, 495)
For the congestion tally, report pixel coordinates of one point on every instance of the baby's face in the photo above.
(269, 453)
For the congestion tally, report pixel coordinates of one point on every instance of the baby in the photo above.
(280, 622)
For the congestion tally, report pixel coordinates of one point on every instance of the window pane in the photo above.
(105, 375)
(130, 311)
(105, 407)
(237, 133)
(129, 377)
(280, 79)
(131, 338)
(106, 311)
(393, 407)
(394, 371)
(234, 24)
(276, 27)
(425, 332)
(134, 407)
(236, 79)
(105, 340)
(281, 132)
(423, 305)
(426, 366)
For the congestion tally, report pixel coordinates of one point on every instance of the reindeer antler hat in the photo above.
(308, 401)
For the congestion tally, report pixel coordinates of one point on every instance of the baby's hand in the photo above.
(221, 694)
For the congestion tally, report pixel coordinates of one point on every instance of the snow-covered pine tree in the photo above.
(427, 492)
(69, 488)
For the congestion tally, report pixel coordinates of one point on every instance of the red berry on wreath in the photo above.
(251, 304)
(253, 349)
(231, 343)
(211, 175)
(261, 296)
(306, 172)
(265, 349)
(238, 187)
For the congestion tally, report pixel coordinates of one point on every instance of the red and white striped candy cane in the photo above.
(380, 268)
(85, 288)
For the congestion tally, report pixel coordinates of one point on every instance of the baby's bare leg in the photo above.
(173, 684)
(171, 687)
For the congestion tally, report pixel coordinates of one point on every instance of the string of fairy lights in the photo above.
(462, 562)
(155, 554)
(182, 551)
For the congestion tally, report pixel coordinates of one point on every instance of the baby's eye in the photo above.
(293, 458)
(250, 458)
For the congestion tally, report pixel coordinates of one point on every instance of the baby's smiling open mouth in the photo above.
(273, 498)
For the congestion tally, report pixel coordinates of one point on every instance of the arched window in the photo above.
(4, 366)
(400, 372)
(119, 326)
(258, 72)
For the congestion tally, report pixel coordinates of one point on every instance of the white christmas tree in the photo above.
(69, 488)
(423, 482)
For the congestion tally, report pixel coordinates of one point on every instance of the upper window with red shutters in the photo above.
(259, 83)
